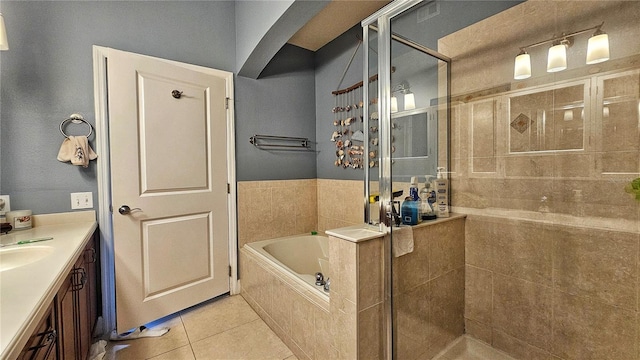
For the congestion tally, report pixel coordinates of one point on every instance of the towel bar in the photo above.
(279, 141)
(76, 119)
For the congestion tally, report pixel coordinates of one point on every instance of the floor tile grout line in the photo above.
(229, 329)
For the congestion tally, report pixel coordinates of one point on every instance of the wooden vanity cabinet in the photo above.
(77, 306)
(42, 344)
(65, 332)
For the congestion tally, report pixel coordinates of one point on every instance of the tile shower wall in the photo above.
(553, 279)
(429, 286)
(540, 289)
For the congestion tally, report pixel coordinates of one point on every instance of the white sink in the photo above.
(20, 256)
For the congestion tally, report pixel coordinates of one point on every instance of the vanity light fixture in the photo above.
(597, 51)
(409, 101)
(598, 47)
(568, 115)
(394, 104)
(409, 97)
(522, 68)
(557, 58)
(4, 44)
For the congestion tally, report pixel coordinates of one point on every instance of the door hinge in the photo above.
(228, 188)
(111, 207)
(226, 103)
(229, 270)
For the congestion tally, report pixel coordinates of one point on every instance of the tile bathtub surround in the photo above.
(357, 298)
(571, 294)
(340, 203)
(278, 208)
(297, 315)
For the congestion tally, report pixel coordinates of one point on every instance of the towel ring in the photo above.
(76, 119)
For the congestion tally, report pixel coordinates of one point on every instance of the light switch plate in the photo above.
(82, 200)
(5, 204)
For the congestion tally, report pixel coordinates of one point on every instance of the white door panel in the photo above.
(168, 159)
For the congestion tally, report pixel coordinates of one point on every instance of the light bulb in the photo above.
(409, 101)
(598, 48)
(4, 44)
(568, 115)
(394, 104)
(557, 58)
(522, 67)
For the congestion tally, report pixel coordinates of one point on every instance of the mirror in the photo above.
(547, 120)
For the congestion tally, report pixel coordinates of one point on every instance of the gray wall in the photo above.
(331, 61)
(263, 28)
(280, 103)
(48, 74)
(252, 20)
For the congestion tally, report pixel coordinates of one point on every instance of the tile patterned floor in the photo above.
(228, 328)
(225, 328)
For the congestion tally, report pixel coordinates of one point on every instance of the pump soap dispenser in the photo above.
(428, 200)
(442, 193)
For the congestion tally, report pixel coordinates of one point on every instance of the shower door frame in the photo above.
(381, 23)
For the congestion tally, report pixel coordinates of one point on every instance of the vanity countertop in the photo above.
(27, 291)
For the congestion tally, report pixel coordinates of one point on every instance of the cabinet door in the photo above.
(42, 344)
(74, 303)
(81, 297)
(66, 320)
(91, 257)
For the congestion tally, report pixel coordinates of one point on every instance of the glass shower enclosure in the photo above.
(408, 120)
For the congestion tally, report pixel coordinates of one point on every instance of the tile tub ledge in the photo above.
(365, 232)
(356, 233)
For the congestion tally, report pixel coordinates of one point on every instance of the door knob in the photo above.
(126, 210)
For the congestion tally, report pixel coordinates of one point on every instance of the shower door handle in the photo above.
(126, 210)
(392, 214)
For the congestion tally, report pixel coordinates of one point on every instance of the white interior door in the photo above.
(168, 149)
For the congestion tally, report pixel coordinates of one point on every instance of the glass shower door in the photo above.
(419, 114)
(408, 135)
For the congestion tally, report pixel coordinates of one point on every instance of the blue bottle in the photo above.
(409, 211)
(413, 189)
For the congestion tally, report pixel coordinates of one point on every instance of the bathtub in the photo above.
(300, 256)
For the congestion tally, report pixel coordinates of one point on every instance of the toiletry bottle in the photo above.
(427, 199)
(442, 193)
(409, 211)
(413, 189)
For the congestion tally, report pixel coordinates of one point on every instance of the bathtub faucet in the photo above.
(327, 284)
(320, 279)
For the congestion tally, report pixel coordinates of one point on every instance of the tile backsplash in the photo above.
(276, 208)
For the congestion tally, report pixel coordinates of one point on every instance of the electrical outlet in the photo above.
(82, 200)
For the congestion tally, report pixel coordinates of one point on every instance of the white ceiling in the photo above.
(336, 18)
